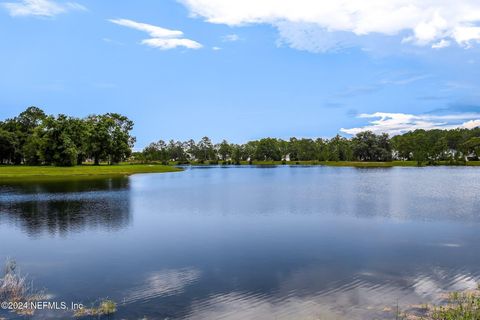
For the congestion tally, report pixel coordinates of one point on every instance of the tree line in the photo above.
(424, 146)
(35, 138)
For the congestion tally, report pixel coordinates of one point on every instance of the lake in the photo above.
(249, 242)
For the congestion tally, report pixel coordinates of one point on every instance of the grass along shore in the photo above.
(83, 171)
(460, 305)
(8, 172)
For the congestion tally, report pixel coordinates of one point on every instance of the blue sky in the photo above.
(246, 69)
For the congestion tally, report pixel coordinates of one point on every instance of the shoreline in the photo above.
(21, 172)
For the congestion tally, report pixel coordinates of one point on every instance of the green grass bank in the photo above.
(9, 172)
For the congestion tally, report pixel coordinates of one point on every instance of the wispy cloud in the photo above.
(354, 91)
(432, 97)
(161, 38)
(41, 8)
(231, 38)
(305, 24)
(112, 41)
(458, 107)
(399, 80)
(405, 80)
(441, 44)
(399, 123)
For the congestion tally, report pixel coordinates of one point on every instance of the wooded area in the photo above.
(35, 138)
(426, 147)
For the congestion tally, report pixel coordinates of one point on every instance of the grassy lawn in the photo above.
(85, 171)
(24, 172)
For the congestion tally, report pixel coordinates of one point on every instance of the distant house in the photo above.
(452, 153)
(471, 157)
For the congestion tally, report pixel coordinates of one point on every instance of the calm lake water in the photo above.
(249, 243)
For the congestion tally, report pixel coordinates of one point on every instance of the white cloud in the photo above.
(42, 8)
(302, 23)
(390, 80)
(153, 31)
(161, 38)
(399, 123)
(441, 44)
(231, 38)
(171, 43)
(406, 80)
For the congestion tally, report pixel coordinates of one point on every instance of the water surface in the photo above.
(247, 242)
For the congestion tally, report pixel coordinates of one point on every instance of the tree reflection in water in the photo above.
(63, 207)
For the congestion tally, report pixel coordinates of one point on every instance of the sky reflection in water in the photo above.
(244, 243)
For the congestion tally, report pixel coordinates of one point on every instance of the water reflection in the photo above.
(362, 297)
(421, 194)
(161, 284)
(59, 208)
(249, 243)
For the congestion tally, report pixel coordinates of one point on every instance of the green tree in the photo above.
(224, 150)
(191, 149)
(7, 146)
(283, 146)
(156, 151)
(177, 151)
(109, 137)
(322, 150)
(236, 153)
(205, 150)
(22, 127)
(472, 145)
(55, 141)
(367, 146)
(99, 140)
(249, 150)
(306, 150)
(339, 149)
(122, 141)
(34, 149)
(268, 149)
(293, 149)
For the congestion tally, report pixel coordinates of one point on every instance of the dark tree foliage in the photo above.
(37, 139)
(224, 150)
(370, 147)
(22, 127)
(7, 146)
(268, 149)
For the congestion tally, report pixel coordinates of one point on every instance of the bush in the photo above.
(459, 306)
(106, 307)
